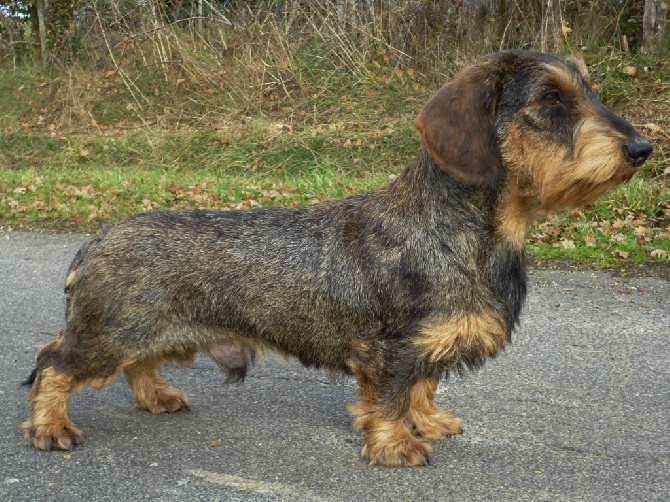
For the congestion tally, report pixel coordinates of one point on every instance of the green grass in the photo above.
(16, 88)
(94, 196)
(94, 179)
(87, 181)
(629, 224)
(607, 253)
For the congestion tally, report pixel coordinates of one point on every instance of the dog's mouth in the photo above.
(630, 166)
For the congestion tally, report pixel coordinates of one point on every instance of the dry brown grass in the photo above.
(144, 63)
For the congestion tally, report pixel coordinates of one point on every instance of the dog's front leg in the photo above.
(387, 441)
(427, 420)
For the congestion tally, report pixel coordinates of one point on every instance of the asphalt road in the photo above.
(576, 409)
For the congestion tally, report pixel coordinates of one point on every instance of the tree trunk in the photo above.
(60, 30)
(550, 39)
(40, 6)
(653, 24)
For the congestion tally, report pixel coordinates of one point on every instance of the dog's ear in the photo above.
(456, 125)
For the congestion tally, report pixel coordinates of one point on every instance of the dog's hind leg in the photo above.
(152, 392)
(49, 426)
(53, 382)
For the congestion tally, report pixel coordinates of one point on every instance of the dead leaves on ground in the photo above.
(578, 233)
(89, 203)
(620, 236)
(204, 195)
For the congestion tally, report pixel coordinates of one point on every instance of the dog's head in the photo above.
(537, 118)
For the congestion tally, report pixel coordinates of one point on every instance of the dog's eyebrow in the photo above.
(567, 78)
(560, 76)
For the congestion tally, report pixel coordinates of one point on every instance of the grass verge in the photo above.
(81, 182)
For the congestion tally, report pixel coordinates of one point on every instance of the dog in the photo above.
(397, 287)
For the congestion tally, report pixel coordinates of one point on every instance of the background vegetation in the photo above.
(130, 105)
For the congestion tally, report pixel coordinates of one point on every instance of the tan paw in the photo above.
(438, 425)
(167, 402)
(397, 451)
(58, 436)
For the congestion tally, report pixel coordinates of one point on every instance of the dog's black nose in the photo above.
(637, 150)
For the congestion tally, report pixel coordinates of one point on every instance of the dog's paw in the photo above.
(438, 425)
(58, 436)
(396, 452)
(168, 402)
(156, 395)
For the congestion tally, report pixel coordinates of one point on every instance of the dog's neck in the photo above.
(513, 216)
(500, 205)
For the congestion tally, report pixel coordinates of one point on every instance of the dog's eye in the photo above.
(551, 98)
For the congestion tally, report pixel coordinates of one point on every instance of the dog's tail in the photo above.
(31, 379)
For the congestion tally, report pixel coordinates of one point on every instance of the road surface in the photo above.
(577, 408)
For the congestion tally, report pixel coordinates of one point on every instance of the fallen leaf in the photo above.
(565, 244)
(590, 240)
(565, 28)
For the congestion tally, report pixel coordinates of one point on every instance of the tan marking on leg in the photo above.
(386, 442)
(54, 345)
(152, 392)
(477, 335)
(49, 426)
(427, 420)
(183, 358)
